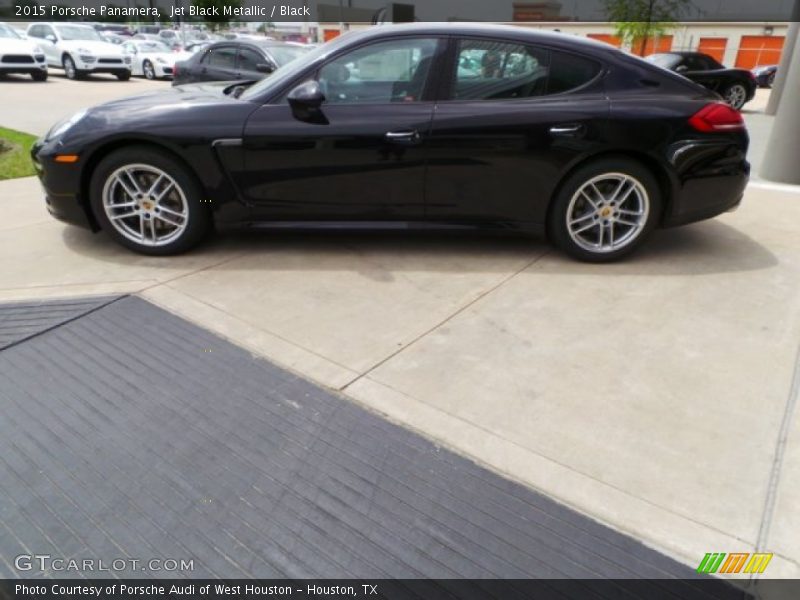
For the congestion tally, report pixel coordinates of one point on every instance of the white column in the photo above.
(782, 158)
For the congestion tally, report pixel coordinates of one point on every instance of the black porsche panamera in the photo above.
(448, 125)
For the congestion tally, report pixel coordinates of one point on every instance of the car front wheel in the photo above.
(39, 75)
(69, 68)
(149, 70)
(735, 95)
(149, 202)
(604, 210)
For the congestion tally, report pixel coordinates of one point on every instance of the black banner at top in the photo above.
(383, 11)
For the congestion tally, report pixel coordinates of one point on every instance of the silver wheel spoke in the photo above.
(602, 234)
(167, 221)
(630, 223)
(632, 213)
(581, 219)
(168, 210)
(591, 225)
(164, 192)
(126, 215)
(153, 187)
(141, 226)
(611, 234)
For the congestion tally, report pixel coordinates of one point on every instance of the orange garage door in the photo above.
(757, 50)
(664, 44)
(607, 38)
(713, 47)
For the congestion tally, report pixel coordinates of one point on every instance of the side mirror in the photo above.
(50, 38)
(682, 69)
(306, 100)
(264, 68)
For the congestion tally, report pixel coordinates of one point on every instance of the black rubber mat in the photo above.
(130, 433)
(22, 320)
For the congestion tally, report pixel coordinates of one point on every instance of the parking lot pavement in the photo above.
(33, 107)
(650, 394)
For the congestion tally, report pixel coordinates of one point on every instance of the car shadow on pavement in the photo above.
(704, 248)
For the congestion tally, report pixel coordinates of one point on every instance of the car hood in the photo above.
(9, 46)
(168, 57)
(174, 99)
(106, 48)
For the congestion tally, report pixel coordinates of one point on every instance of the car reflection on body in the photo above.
(378, 128)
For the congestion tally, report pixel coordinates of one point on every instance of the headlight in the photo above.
(161, 60)
(84, 51)
(61, 127)
(37, 49)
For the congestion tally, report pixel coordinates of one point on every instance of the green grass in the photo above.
(15, 162)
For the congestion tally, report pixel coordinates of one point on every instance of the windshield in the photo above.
(7, 32)
(291, 69)
(666, 61)
(76, 32)
(153, 47)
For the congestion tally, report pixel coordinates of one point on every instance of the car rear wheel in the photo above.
(69, 68)
(149, 202)
(604, 210)
(149, 70)
(735, 95)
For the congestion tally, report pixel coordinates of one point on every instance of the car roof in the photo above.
(516, 32)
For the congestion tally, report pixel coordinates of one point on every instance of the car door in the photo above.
(363, 156)
(705, 72)
(217, 64)
(511, 117)
(248, 65)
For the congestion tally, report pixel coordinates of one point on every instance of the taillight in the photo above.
(717, 117)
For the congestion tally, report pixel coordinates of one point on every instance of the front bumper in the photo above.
(22, 64)
(102, 64)
(61, 184)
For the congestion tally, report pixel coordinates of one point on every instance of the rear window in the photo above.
(569, 71)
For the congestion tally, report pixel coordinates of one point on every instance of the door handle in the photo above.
(568, 130)
(403, 137)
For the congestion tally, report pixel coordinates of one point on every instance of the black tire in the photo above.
(69, 68)
(558, 218)
(39, 75)
(771, 80)
(123, 75)
(148, 70)
(198, 220)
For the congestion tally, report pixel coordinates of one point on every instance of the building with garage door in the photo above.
(744, 45)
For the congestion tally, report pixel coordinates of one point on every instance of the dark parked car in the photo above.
(736, 86)
(386, 128)
(765, 75)
(237, 59)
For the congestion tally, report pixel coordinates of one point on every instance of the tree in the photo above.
(637, 20)
(219, 19)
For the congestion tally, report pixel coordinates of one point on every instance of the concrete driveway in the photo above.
(656, 395)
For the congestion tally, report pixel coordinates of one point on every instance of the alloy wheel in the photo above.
(608, 213)
(736, 95)
(149, 71)
(69, 68)
(145, 205)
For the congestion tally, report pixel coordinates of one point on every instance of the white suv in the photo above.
(79, 50)
(21, 56)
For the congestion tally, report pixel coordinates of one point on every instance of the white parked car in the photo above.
(152, 59)
(21, 56)
(79, 50)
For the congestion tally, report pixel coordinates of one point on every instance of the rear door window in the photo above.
(570, 71)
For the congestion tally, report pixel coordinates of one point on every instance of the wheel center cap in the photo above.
(148, 204)
(606, 211)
